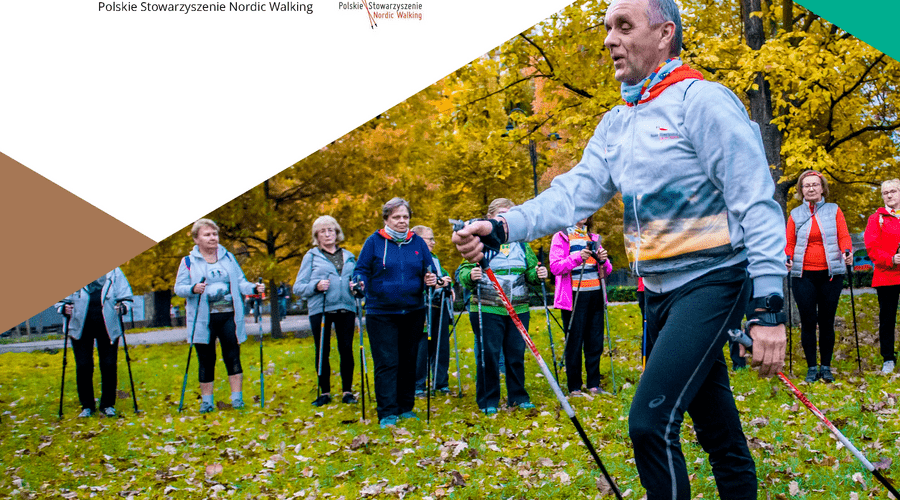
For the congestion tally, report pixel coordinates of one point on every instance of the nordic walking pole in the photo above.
(855, 328)
(612, 368)
(428, 385)
(437, 350)
(847, 444)
(547, 314)
(120, 313)
(480, 332)
(456, 344)
(572, 316)
(457, 225)
(262, 374)
(553, 384)
(62, 385)
(190, 348)
(321, 347)
(357, 292)
(790, 327)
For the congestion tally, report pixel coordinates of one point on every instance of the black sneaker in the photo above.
(322, 400)
(348, 399)
(826, 375)
(812, 374)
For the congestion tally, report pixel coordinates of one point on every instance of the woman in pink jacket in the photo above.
(579, 263)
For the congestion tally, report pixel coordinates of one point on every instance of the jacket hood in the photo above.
(885, 211)
(220, 253)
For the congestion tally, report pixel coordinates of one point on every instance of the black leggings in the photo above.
(344, 322)
(221, 326)
(686, 372)
(887, 318)
(83, 348)
(817, 296)
(585, 335)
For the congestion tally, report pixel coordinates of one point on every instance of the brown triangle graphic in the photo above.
(53, 242)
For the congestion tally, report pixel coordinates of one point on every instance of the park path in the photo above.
(297, 324)
(291, 324)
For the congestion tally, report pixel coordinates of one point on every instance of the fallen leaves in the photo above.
(359, 442)
(214, 469)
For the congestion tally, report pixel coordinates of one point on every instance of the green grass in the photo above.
(293, 449)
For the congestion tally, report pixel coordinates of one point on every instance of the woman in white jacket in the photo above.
(93, 313)
(212, 282)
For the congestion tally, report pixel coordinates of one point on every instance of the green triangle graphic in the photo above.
(871, 21)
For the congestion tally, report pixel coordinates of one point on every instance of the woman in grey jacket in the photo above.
(212, 282)
(93, 313)
(324, 282)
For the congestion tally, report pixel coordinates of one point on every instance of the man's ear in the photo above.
(667, 34)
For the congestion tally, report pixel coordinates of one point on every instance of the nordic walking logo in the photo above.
(384, 11)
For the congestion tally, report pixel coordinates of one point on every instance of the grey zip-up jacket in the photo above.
(826, 218)
(187, 278)
(115, 290)
(317, 266)
(695, 183)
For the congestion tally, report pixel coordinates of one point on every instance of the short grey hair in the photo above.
(201, 223)
(392, 205)
(324, 222)
(661, 11)
(894, 183)
(420, 230)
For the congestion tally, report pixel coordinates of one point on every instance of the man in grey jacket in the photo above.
(701, 228)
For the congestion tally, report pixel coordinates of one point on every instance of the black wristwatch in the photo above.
(772, 303)
(771, 313)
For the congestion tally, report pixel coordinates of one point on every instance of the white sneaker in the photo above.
(85, 413)
(887, 367)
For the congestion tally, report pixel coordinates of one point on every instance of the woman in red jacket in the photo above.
(818, 250)
(883, 245)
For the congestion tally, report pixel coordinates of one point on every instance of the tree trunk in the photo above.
(760, 99)
(159, 310)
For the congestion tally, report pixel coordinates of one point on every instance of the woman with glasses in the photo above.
(818, 251)
(324, 282)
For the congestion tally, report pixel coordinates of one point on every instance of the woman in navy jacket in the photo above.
(395, 267)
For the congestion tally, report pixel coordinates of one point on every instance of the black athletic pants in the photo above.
(500, 335)
(221, 326)
(393, 341)
(344, 324)
(83, 349)
(887, 318)
(686, 372)
(817, 298)
(585, 335)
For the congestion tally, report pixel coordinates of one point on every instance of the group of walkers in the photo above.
(409, 297)
(820, 253)
(702, 231)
